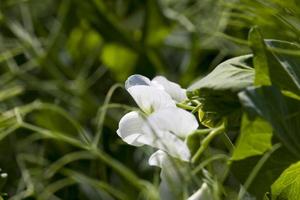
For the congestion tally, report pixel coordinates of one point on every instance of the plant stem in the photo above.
(184, 106)
(255, 171)
(206, 141)
(102, 113)
(118, 167)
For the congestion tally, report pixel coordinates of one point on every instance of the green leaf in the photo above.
(266, 176)
(231, 76)
(276, 61)
(286, 187)
(288, 55)
(217, 91)
(255, 138)
(280, 111)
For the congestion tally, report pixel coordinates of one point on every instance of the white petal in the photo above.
(158, 158)
(175, 120)
(136, 80)
(150, 99)
(130, 128)
(172, 145)
(172, 173)
(167, 142)
(202, 194)
(173, 89)
(171, 168)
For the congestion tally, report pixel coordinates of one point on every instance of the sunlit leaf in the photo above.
(280, 111)
(286, 187)
(254, 139)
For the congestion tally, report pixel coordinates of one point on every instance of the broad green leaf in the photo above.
(270, 171)
(287, 186)
(280, 111)
(276, 61)
(231, 76)
(288, 55)
(217, 91)
(255, 138)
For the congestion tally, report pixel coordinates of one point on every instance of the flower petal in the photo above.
(171, 144)
(174, 120)
(166, 141)
(150, 99)
(202, 194)
(130, 128)
(171, 168)
(173, 89)
(172, 172)
(157, 158)
(136, 80)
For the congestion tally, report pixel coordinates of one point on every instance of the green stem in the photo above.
(255, 171)
(202, 131)
(118, 167)
(101, 115)
(206, 141)
(208, 161)
(196, 108)
(186, 107)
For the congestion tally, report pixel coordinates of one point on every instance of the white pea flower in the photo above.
(173, 174)
(130, 128)
(163, 125)
(150, 99)
(177, 93)
(170, 186)
(171, 181)
(203, 193)
(165, 129)
(155, 94)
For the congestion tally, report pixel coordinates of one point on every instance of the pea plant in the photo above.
(233, 134)
(149, 100)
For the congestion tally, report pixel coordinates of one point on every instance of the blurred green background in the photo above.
(60, 65)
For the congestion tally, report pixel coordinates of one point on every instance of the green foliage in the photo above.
(269, 105)
(118, 58)
(217, 92)
(281, 112)
(255, 138)
(59, 59)
(287, 185)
